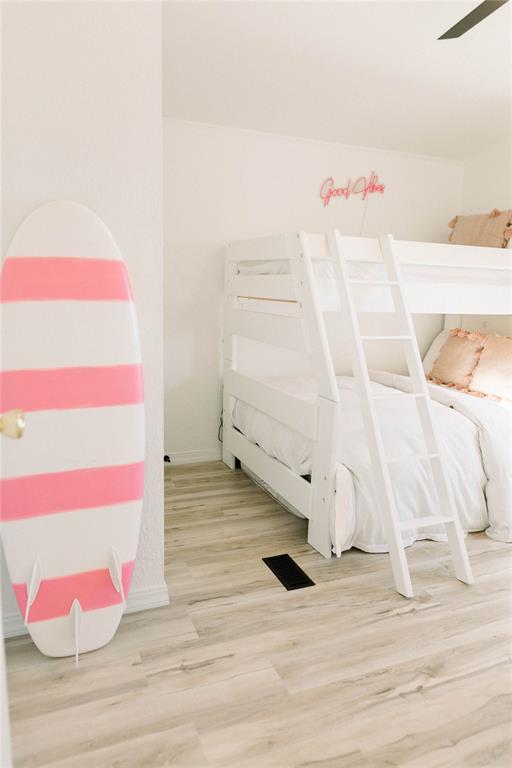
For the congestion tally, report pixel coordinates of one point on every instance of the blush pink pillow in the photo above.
(493, 374)
(457, 359)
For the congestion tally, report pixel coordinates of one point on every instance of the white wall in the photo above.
(221, 184)
(488, 179)
(488, 185)
(82, 120)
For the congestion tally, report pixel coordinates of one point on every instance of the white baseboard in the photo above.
(13, 625)
(145, 598)
(196, 456)
(142, 599)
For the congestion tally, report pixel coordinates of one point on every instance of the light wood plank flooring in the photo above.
(237, 672)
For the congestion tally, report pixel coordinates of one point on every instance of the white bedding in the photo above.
(475, 438)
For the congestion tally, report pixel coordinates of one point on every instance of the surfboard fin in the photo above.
(76, 616)
(33, 586)
(115, 569)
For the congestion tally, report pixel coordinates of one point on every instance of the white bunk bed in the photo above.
(277, 292)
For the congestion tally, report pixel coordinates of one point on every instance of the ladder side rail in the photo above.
(382, 480)
(323, 475)
(424, 407)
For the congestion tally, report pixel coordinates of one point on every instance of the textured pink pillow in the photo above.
(488, 229)
(457, 359)
(493, 374)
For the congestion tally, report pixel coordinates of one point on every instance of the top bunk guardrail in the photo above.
(439, 278)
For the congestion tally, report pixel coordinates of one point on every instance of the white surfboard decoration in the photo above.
(33, 587)
(72, 488)
(76, 617)
(116, 572)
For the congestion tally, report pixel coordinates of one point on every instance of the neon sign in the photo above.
(362, 186)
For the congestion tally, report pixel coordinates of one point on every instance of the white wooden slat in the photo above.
(273, 248)
(277, 330)
(440, 255)
(360, 248)
(271, 306)
(367, 249)
(459, 298)
(423, 522)
(318, 246)
(451, 255)
(276, 287)
(425, 298)
(296, 413)
(258, 249)
(280, 478)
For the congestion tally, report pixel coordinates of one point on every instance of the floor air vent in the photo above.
(288, 572)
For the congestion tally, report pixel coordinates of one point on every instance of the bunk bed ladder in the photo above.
(393, 526)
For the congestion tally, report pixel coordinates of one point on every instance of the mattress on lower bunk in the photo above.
(355, 518)
(362, 270)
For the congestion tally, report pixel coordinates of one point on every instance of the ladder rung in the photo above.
(374, 282)
(424, 522)
(386, 338)
(412, 456)
(398, 394)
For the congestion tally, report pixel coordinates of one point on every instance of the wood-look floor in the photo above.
(239, 672)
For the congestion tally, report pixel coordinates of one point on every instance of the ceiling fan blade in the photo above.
(474, 17)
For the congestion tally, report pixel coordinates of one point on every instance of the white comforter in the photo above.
(475, 438)
(493, 421)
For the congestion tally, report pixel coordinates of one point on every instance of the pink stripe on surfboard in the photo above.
(65, 388)
(64, 278)
(93, 589)
(48, 494)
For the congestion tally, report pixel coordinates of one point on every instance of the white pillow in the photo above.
(434, 350)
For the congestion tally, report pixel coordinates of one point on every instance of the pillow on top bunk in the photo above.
(493, 374)
(457, 359)
(492, 229)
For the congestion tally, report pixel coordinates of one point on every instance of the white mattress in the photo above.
(355, 518)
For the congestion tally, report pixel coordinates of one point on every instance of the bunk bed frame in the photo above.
(287, 311)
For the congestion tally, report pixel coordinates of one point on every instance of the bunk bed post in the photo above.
(229, 353)
(324, 451)
(323, 482)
